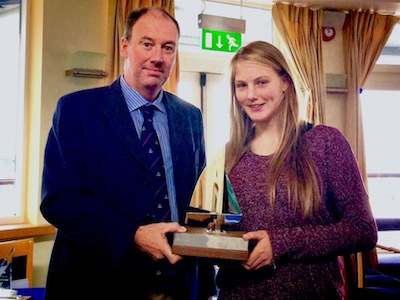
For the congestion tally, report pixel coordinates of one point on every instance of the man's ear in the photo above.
(124, 47)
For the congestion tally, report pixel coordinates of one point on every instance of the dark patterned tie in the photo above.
(158, 185)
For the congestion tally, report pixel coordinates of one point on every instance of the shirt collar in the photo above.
(135, 101)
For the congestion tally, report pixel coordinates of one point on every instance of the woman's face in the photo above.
(259, 91)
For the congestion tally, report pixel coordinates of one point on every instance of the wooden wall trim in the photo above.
(20, 231)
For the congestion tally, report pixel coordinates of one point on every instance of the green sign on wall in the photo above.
(221, 40)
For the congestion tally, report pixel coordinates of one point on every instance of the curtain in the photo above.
(364, 36)
(118, 14)
(300, 31)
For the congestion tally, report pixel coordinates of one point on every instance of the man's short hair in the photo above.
(135, 15)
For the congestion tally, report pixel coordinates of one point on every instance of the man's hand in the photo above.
(262, 255)
(152, 239)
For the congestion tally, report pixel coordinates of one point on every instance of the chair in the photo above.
(389, 261)
(23, 257)
(370, 277)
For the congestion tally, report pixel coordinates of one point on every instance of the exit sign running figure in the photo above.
(221, 40)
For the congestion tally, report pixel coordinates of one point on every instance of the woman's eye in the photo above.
(262, 82)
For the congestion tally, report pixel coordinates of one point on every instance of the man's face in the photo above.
(150, 54)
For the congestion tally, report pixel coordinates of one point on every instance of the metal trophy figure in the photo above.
(6, 290)
(215, 205)
(6, 271)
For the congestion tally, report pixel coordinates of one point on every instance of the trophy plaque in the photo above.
(214, 207)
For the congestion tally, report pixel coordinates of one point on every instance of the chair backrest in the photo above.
(353, 274)
(389, 225)
(23, 248)
(356, 264)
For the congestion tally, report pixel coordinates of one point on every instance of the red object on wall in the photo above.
(328, 33)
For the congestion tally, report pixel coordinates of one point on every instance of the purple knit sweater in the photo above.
(305, 251)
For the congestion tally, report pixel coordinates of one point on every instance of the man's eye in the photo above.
(169, 49)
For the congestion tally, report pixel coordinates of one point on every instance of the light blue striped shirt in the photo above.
(134, 102)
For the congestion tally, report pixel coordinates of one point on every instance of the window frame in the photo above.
(373, 85)
(19, 181)
(384, 77)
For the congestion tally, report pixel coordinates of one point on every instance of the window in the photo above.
(11, 110)
(391, 53)
(380, 103)
(380, 110)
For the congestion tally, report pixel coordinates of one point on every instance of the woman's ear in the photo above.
(285, 85)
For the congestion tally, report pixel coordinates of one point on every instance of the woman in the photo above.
(299, 188)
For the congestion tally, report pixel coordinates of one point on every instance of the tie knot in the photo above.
(148, 110)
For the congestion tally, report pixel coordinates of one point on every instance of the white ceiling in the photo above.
(383, 7)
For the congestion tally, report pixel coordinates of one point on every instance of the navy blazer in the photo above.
(94, 186)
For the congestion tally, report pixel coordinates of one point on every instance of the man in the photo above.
(97, 189)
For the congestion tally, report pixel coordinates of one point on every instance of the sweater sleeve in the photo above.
(345, 223)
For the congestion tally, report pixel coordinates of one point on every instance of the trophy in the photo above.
(214, 207)
(6, 291)
(6, 270)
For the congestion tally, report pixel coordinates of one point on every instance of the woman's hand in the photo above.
(262, 255)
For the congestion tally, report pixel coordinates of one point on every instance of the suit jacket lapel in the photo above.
(117, 113)
(177, 125)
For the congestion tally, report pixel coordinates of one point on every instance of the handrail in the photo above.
(7, 181)
(383, 175)
(390, 249)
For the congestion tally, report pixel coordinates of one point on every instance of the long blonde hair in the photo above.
(302, 178)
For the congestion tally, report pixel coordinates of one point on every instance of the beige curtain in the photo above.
(300, 31)
(364, 36)
(118, 13)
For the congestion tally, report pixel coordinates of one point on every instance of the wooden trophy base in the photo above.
(200, 242)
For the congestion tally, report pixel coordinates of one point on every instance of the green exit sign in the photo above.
(221, 40)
